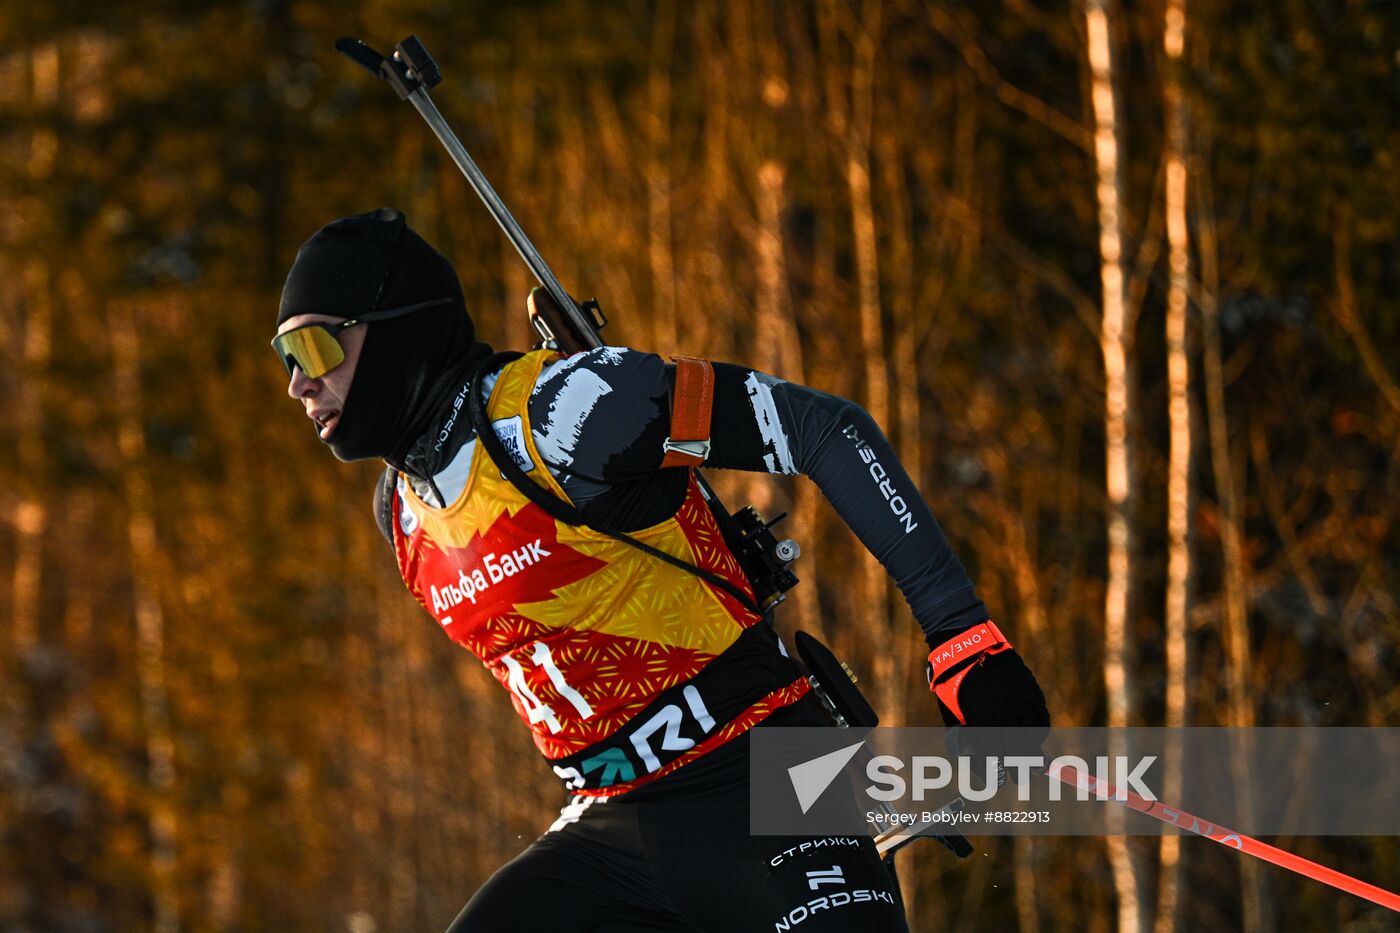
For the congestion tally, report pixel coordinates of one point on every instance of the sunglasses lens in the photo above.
(312, 348)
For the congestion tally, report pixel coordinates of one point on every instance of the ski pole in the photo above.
(1227, 837)
(898, 837)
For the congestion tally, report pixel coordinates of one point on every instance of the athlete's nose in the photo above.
(299, 386)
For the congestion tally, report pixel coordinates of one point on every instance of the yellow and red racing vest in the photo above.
(623, 666)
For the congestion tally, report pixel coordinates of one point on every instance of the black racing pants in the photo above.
(677, 855)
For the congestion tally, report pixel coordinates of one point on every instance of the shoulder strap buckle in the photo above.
(696, 451)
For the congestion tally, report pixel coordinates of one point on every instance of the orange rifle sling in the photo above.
(691, 406)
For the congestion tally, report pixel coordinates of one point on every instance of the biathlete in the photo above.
(638, 677)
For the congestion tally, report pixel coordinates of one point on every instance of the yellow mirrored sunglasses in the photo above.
(315, 348)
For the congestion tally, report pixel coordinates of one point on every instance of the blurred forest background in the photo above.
(1120, 282)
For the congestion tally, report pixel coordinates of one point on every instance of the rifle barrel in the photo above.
(425, 106)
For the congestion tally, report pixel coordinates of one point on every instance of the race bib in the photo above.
(511, 431)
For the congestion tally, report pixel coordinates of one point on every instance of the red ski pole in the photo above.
(1183, 820)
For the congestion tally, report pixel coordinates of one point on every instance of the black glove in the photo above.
(979, 680)
(1000, 691)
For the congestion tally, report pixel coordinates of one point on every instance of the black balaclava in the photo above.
(410, 367)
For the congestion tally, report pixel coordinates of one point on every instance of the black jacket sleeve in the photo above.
(764, 423)
(600, 419)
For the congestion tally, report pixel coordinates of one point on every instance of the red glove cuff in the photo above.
(951, 661)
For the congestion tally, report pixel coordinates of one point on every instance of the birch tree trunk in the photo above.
(1345, 309)
(858, 174)
(1179, 453)
(1115, 342)
(150, 618)
(399, 797)
(1234, 594)
(852, 118)
(660, 241)
(903, 310)
(707, 281)
(781, 353)
(31, 512)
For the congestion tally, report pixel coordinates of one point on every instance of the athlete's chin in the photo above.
(344, 456)
(327, 436)
(347, 456)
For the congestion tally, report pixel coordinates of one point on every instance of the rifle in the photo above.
(570, 327)
(564, 324)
